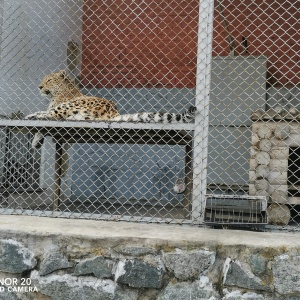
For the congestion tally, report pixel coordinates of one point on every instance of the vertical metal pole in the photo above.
(188, 175)
(204, 52)
(57, 175)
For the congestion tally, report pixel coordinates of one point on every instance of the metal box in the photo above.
(235, 209)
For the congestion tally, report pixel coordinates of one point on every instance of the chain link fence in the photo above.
(89, 149)
(254, 111)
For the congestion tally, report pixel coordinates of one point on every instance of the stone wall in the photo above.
(61, 266)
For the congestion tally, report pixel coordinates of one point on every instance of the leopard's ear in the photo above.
(63, 73)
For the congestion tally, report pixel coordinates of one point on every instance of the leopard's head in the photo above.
(53, 84)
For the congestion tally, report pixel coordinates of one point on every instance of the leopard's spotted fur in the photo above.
(67, 102)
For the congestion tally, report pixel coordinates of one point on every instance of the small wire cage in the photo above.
(235, 210)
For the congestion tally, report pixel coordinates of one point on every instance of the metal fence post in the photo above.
(205, 28)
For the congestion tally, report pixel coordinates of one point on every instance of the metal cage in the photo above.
(236, 61)
(235, 210)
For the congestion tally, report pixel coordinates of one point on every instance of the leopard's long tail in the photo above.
(152, 117)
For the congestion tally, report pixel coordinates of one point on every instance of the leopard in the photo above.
(67, 102)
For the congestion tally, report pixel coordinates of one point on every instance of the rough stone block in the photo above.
(258, 264)
(187, 265)
(286, 274)
(15, 258)
(6, 295)
(149, 294)
(237, 295)
(283, 298)
(53, 262)
(68, 287)
(198, 290)
(137, 273)
(239, 275)
(99, 266)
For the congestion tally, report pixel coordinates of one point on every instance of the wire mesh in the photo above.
(237, 62)
(253, 139)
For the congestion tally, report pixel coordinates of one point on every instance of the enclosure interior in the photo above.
(150, 55)
(116, 50)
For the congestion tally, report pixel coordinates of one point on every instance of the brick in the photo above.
(295, 48)
(281, 56)
(152, 7)
(136, 25)
(262, 16)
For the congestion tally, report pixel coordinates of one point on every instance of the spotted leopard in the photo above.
(67, 102)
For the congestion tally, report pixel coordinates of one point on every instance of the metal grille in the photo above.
(235, 210)
(237, 62)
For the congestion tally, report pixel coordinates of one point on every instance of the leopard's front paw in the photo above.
(37, 141)
(30, 117)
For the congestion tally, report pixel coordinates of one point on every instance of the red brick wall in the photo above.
(139, 43)
(152, 43)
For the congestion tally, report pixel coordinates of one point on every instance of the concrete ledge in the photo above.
(102, 230)
(133, 261)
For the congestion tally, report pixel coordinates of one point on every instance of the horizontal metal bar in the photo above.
(86, 125)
